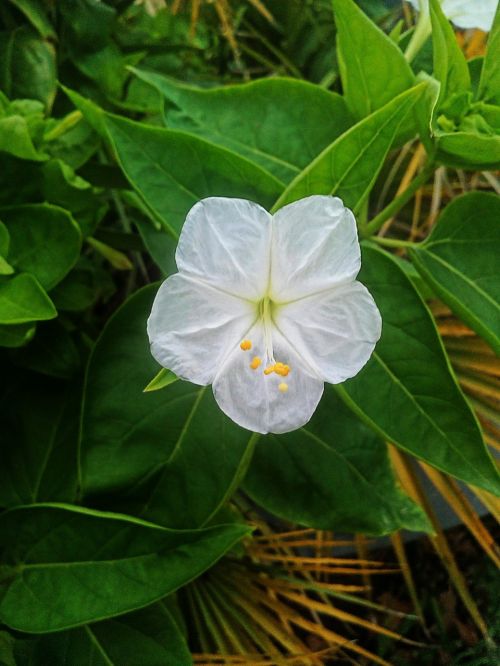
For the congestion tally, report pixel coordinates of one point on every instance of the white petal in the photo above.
(315, 246)
(335, 331)
(192, 327)
(226, 242)
(254, 401)
(464, 13)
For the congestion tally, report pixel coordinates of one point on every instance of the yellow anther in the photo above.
(281, 369)
(269, 369)
(246, 345)
(283, 387)
(255, 363)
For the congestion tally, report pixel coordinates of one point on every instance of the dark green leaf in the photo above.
(27, 66)
(332, 474)
(65, 566)
(22, 300)
(372, 67)
(38, 436)
(45, 241)
(162, 450)
(173, 170)
(149, 636)
(407, 391)
(460, 261)
(16, 335)
(281, 124)
(34, 12)
(15, 138)
(348, 168)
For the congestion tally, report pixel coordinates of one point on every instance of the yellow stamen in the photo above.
(281, 369)
(283, 387)
(245, 345)
(269, 369)
(255, 363)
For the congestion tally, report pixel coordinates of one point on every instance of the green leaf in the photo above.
(332, 474)
(281, 124)
(489, 83)
(15, 138)
(38, 436)
(148, 636)
(469, 150)
(36, 16)
(16, 335)
(163, 450)
(27, 66)
(4, 240)
(88, 23)
(173, 170)
(160, 380)
(450, 65)
(407, 391)
(22, 299)
(5, 267)
(160, 243)
(44, 241)
(372, 67)
(349, 167)
(460, 261)
(66, 566)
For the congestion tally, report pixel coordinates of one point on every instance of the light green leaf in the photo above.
(15, 138)
(281, 124)
(173, 170)
(469, 150)
(332, 474)
(22, 299)
(5, 267)
(460, 261)
(489, 83)
(407, 391)
(66, 566)
(160, 380)
(372, 67)
(450, 66)
(163, 450)
(38, 435)
(44, 241)
(349, 167)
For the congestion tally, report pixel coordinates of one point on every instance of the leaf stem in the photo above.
(398, 203)
(393, 242)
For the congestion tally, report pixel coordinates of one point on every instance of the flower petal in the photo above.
(227, 243)
(335, 332)
(464, 13)
(193, 327)
(253, 399)
(315, 246)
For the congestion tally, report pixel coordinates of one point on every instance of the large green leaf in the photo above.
(460, 261)
(44, 241)
(372, 67)
(489, 83)
(171, 453)
(148, 636)
(281, 124)
(15, 138)
(348, 168)
(173, 170)
(332, 474)
(407, 391)
(22, 300)
(64, 566)
(38, 440)
(450, 66)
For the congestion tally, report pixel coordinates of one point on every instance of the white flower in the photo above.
(464, 13)
(265, 308)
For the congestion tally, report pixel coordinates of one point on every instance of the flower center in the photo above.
(265, 314)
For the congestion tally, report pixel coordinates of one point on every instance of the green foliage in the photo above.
(469, 227)
(115, 475)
